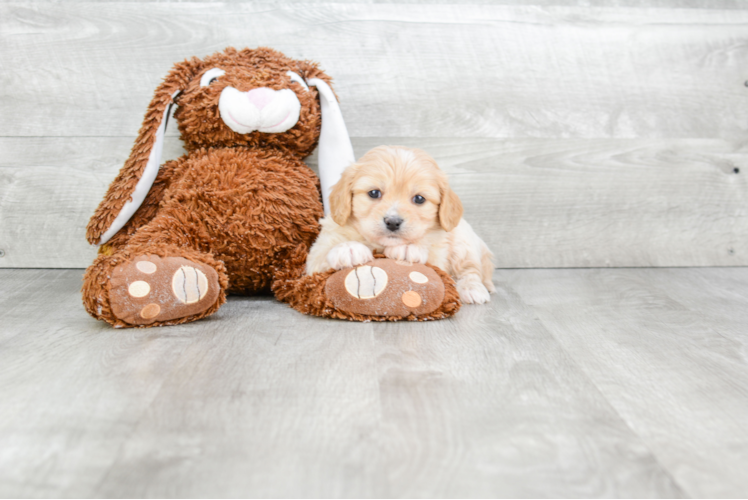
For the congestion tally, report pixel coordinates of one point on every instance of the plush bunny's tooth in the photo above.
(335, 149)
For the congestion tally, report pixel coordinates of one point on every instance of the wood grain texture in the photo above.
(537, 202)
(259, 400)
(58, 431)
(49, 188)
(668, 349)
(89, 69)
(678, 4)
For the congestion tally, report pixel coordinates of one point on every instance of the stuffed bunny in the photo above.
(239, 211)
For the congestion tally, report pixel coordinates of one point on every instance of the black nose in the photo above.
(393, 223)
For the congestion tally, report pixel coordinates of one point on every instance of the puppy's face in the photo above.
(395, 196)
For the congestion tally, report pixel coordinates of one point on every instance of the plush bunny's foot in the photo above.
(150, 288)
(380, 290)
(386, 288)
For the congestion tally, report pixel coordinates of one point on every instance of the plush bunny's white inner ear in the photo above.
(335, 149)
(146, 180)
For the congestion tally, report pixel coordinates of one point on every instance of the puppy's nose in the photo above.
(393, 223)
(261, 97)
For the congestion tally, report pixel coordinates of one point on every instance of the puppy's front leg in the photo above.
(471, 290)
(349, 254)
(409, 253)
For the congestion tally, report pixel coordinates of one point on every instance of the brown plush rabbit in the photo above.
(238, 212)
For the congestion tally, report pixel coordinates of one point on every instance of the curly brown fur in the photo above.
(246, 214)
(238, 202)
(199, 124)
(122, 187)
(242, 73)
(243, 204)
(148, 209)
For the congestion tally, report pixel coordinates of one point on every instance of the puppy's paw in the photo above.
(408, 253)
(349, 254)
(473, 293)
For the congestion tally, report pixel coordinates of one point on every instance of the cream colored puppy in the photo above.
(397, 201)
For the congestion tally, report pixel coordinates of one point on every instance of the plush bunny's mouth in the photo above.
(263, 109)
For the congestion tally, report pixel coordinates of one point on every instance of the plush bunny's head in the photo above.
(254, 98)
(250, 97)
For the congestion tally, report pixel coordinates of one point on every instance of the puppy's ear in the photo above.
(450, 208)
(129, 189)
(341, 196)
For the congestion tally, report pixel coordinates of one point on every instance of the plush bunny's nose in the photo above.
(261, 97)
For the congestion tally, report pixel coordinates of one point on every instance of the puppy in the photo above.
(397, 201)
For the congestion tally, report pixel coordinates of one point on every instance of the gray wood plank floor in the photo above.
(575, 382)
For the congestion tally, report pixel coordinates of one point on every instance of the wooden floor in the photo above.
(576, 382)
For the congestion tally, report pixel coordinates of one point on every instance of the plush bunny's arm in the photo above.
(335, 149)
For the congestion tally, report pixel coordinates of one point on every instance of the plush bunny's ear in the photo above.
(129, 189)
(335, 149)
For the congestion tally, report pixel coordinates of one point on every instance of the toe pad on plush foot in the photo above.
(386, 288)
(150, 288)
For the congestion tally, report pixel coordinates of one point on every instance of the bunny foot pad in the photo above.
(152, 288)
(386, 288)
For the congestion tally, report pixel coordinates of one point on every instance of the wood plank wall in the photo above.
(576, 135)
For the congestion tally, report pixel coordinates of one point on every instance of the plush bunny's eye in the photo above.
(296, 78)
(211, 76)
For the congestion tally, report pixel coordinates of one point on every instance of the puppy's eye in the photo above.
(211, 76)
(419, 200)
(375, 193)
